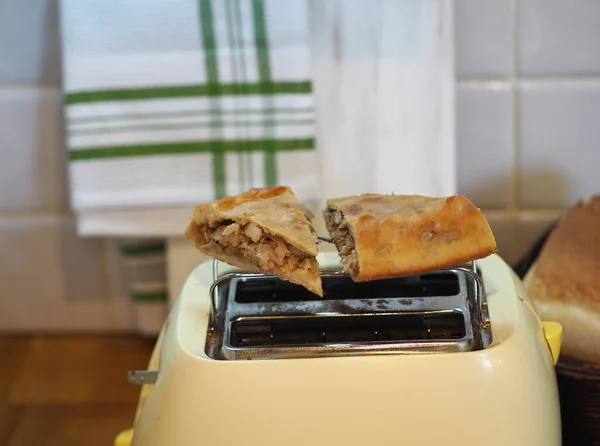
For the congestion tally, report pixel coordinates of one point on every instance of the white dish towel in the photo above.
(171, 103)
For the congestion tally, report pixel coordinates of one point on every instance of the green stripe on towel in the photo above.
(150, 296)
(182, 91)
(260, 39)
(219, 173)
(190, 147)
(209, 41)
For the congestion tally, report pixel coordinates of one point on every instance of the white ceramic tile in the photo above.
(484, 143)
(482, 33)
(29, 42)
(32, 171)
(50, 279)
(504, 232)
(530, 227)
(558, 37)
(559, 143)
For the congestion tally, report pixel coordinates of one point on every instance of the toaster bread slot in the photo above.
(343, 287)
(347, 329)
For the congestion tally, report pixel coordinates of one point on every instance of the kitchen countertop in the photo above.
(68, 390)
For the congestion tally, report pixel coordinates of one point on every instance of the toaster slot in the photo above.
(268, 290)
(346, 329)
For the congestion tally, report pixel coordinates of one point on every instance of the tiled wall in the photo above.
(49, 277)
(528, 107)
(528, 110)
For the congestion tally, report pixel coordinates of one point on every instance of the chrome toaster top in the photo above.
(255, 316)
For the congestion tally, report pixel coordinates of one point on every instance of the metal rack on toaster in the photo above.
(258, 316)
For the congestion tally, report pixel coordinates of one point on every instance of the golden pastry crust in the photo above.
(262, 230)
(398, 235)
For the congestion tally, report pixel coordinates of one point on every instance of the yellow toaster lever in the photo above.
(124, 438)
(553, 332)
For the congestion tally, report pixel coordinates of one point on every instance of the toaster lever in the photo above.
(553, 332)
(141, 377)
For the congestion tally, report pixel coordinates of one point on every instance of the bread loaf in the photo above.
(564, 283)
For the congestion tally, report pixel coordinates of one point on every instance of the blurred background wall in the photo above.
(527, 138)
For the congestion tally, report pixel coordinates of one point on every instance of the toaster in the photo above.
(456, 356)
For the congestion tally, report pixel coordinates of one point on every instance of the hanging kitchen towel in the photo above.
(168, 104)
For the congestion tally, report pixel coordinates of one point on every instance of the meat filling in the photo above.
(270, 251)
(342, 238)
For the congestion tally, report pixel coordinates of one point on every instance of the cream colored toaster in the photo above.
(452, 357)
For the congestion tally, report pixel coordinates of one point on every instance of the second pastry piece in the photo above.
(379, 236)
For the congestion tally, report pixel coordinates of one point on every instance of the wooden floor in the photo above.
(68, 390)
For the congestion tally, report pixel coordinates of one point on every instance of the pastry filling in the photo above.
(342, 239)
(269, 252)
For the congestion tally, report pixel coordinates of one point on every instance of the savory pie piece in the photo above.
(380, 236)
(263, 230)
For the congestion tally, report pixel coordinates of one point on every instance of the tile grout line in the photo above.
(39, 215)
(526, 80)
(524, 213)
(25, 87)
(513, 179)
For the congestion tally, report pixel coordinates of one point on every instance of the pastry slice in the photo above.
(263, 230)
(380, 236)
